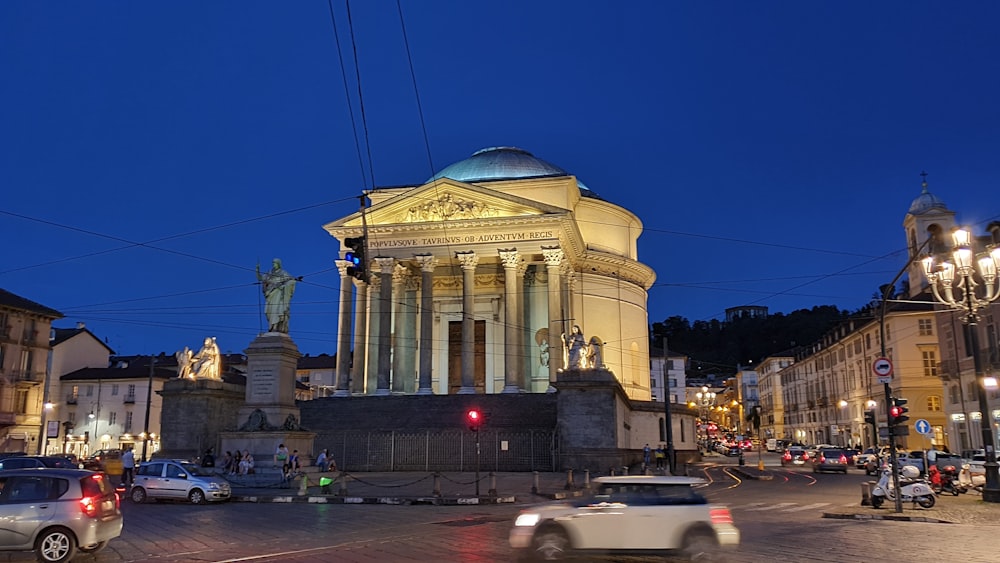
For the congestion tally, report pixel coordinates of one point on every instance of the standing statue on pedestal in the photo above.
(278, 286)
(573, 344)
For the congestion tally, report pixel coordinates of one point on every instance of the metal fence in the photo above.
(431, 450)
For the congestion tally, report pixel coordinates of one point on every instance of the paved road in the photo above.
(779, 519)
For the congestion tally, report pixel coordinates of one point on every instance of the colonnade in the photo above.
(391, 293)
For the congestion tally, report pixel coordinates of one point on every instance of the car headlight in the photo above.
(213, 486)
(526, 520)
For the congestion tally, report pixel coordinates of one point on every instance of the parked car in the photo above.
(56, 512)
(828, 459)
(178, 480)
(648, 514)
(32, 461)
(862, 458)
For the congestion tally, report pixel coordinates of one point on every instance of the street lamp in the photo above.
(705, 399)
(954, 283)
(840, 433)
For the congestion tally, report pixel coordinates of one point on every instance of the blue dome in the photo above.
(925, 202)
(504, 163)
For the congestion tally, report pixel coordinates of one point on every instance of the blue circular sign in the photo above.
(923, 427)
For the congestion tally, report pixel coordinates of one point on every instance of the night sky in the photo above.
(151, 154)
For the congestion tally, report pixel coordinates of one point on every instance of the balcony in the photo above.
(129, 399)
(71, 400)
(29, 377)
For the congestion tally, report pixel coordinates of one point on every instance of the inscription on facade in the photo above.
(462, 239)
(263, 388)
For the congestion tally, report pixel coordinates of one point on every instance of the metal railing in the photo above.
(499, 450)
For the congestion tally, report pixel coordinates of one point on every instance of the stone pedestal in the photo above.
(195, 412)
(269, 415)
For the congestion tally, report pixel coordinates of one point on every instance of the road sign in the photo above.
(923, 427)
(882, 367)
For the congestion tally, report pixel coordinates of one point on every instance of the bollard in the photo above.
(534, 484)
(324, 484)
(612, 472)
(493, 485)
(437, 484)
(569, 479)
(624, 470)
(866, 494)
(303, 485)
(586, 479)
(343, 483)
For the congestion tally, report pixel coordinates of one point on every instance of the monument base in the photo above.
(263, 445)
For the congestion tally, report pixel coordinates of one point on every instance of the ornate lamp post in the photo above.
(954, 283)
(840, 432)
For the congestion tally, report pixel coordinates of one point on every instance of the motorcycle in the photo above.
(911, 488)
(949, 481)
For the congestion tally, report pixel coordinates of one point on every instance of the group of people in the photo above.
(659, 455)
(238, 463)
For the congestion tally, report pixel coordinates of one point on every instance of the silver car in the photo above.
(56, 512)
(178, 480)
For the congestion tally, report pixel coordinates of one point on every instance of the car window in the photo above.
(18, 463)
(95, 485)
(29, 489)
(833, 453)
(195, 469)
(151, 470)
(175, 470)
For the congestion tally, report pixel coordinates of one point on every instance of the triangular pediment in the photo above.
(447, 200)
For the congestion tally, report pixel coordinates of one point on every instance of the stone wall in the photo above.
(194, 413)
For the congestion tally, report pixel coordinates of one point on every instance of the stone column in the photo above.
(511, 349)
(525, 338)
(554, 257)
(374, 318)
(385, 266)
(360, 336)
(468, 260)
(399, 275)
(344, 331)
(427, 263)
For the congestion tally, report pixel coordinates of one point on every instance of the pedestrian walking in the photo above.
(128, 467)
(645, 456)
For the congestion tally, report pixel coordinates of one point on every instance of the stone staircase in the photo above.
(269, 477)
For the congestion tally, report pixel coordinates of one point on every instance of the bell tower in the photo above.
(928, 218)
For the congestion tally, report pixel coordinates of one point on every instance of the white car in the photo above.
(178, 480)
(642, 514)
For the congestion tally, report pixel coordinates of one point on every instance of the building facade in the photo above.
(24, 357)
(490, 277)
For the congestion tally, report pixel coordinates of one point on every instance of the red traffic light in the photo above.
(474, 418)
(895, 411)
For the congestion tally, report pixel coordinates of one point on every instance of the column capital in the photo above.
(427, 262)
(385, 264)
(509, 257)
(342, 266)
(400, 274)
(553, 255)
(468, 259)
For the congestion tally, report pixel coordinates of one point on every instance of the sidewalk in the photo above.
(948, 509)
(439, 488)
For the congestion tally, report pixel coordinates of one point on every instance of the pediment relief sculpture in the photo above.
(448, 207)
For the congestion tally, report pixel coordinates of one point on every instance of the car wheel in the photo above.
(138, 495)
(550, 544)
(701, 545)
(94, 548)
(196, 496)
(55, 545)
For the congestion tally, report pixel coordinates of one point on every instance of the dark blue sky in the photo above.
(152, 154)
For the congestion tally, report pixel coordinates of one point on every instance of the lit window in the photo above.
(930, 363)
(934, 403)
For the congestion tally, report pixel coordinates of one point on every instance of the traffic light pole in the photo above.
(893, 460)
(477, 462)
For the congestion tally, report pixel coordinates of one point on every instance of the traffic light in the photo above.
(870, 417)
(356, 256)
(897, 412)
(474, 419)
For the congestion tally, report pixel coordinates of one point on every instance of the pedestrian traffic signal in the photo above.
(870, 417)
(474, 418)
(897, 412)
(356, 256)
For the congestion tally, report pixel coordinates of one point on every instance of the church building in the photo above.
(500, 274)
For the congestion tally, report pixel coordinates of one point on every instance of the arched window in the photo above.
(934, 403)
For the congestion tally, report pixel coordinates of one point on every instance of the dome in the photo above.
(504, 163)
(925, 202)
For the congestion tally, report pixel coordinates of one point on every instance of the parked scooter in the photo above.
(911, 488)
(969, 480)
(949, 481)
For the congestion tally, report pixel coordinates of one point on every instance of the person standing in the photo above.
(645, 456)
(128, 467)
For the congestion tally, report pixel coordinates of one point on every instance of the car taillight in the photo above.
(805, 457)
(822, 458)
(843, 459)
(788, 456)
(720, 516)
(88, 505)
(118, 501)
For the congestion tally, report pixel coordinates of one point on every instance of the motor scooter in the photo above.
(950, 482)
(969, 480)
(911, 488)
